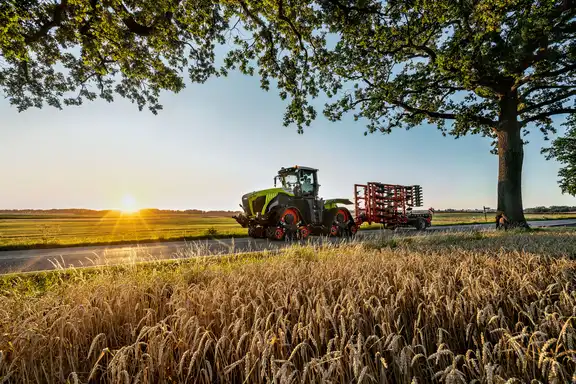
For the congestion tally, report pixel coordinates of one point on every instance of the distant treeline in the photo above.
(92, 212)
(551, 209)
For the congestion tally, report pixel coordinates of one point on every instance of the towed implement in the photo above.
(294, 211)
(391, 205)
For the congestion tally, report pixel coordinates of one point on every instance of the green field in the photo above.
(20, 231)
(45, 230)
(447, 308)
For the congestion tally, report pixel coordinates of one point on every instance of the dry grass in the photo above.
(479, 307)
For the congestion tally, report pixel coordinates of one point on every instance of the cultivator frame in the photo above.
(390, 205)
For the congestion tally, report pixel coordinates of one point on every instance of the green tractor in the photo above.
(294, 210)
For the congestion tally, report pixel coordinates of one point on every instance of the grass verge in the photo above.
(473, 307)
(94, 243)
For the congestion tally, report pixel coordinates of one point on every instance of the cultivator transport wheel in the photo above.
(420, 224)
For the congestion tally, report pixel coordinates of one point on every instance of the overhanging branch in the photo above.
(265, 32)
(543, 115)
(56, 20)
(546, 102)
(268, 36)
(140, 29)
(373, 10)
(283, 17)
(443, 115)
(542, 87)
(534, 76)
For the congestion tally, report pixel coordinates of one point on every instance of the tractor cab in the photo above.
(301, 181)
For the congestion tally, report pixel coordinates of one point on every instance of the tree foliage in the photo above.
(404, 62)
(63, 52)
(563, 150)
(445, 62)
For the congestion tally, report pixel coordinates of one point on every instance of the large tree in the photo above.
(491, 67)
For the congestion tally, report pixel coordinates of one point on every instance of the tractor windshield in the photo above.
(289, 181)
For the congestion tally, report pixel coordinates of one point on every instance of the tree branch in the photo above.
(543, 115)
(283, 17)
(542, 87)
(532, 59)
(140, 29)
(267, 35)
(348, 8)
(257, 20)
(85, 27)
(527, 79)
(56, 20)
(547, 102)
(429, 51)
(442, 115)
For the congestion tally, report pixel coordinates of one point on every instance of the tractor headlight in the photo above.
(245, 205)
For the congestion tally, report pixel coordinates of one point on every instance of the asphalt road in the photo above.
(46, 259)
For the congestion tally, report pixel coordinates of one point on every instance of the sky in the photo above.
(215, 141)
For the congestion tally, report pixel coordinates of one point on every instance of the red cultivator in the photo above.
(390, 205)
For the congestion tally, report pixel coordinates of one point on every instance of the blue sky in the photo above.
(215, 141)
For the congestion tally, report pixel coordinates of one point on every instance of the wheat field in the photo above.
(466, 308)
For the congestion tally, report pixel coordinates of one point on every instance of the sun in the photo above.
(129, 204)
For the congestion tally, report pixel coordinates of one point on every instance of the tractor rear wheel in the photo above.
(275, 233)
(341, 224)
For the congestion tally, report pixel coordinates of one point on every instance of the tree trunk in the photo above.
(510, 160)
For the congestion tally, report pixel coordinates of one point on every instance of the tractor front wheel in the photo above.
(304, 232)
(256, 232)
(287, 227)
(275, 233)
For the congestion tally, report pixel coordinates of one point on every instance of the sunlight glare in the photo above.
(129, 204)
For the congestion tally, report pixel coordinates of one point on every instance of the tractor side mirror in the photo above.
(274, 181)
